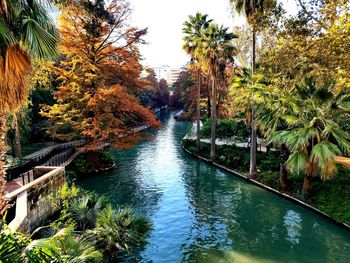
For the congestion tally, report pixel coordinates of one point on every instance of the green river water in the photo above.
(200, 213)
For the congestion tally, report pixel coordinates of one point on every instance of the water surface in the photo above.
(200, 213)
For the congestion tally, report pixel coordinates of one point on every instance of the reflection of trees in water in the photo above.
(232, 220)
(231, 215)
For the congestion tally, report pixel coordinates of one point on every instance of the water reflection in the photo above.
(292, 222)
(202, 214)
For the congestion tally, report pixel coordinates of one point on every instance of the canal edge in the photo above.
(282, 195)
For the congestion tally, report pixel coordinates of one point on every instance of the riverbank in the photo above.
(325, 198)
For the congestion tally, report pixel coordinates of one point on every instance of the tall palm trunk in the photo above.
(18, 148)
(2, 169)
(208, 107)
(307, 186)
(253, 137)
(213, 120)
(198, 141)
(283, 169)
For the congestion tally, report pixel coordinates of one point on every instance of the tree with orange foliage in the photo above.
(99, 74)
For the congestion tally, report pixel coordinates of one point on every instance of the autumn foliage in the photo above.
(99, 74)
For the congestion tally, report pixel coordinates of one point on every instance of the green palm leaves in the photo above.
(25, 31)
(192, 30)
(210, 45)
(215, 50)
(247, 6)
(312, 128)
(119, 229)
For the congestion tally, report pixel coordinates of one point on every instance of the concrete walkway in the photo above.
(191, 135)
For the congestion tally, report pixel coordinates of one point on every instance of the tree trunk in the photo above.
(198, 141)
(307, 186)
(208, 106)
(283, 178)
(283, 169)
(218, 106)
(253, 137)
(18, 148)
(2, 156)
(213, 121)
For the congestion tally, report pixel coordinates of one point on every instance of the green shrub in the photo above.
(333, 197)
(90, 162)
(233, 157)
(269, 161)
(62, 246)
(270, 178)
(119, 230)
(186, 143)
(80, 165)
(94, 224)
(227, 129)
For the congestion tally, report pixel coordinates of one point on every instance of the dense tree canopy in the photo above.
(98, 71)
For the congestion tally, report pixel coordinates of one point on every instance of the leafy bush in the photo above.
(270, 178)
(63, 246)
(227, 129)
(119, 230)
(90, 162)
(79, 208)
(333, 197)
(100, 228)
(233, 157)
(186, 143)
(269, 161)
(73, 247)
(80, 165)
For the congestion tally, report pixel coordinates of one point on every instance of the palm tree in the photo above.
(18, 247)
(84, 210)
(193, 30)
(249, 8)
(25, 31)
(73, 247)
(63, 246)
(314, 134)
(214, 53)
(119, 230)
(269, 114)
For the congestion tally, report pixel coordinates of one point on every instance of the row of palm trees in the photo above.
(211, 49)
(304, 125)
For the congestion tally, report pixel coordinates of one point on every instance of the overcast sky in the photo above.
(164, 19)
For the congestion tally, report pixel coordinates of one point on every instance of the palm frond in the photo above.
(41, 43)
(323, 155)
(297, 162)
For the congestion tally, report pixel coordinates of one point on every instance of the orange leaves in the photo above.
(100, 77)
(117, 113)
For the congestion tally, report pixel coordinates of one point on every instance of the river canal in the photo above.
(200, 213)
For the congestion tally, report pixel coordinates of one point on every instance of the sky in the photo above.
(164, 19)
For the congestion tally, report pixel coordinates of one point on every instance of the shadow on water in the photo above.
(202, 214)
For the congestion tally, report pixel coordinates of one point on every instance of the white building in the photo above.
(162, 72)
(173, 75)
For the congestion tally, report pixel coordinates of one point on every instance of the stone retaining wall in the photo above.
(35, 201)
